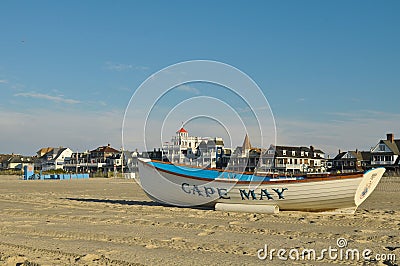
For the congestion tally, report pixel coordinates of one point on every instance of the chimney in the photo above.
(108, 145)
(340, 151)
(312, 148)
(390, 137)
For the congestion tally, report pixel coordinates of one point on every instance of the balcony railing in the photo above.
(382, 162)
(290, 166)
(85, 165)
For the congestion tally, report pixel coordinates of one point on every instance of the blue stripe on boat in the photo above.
(212, 174)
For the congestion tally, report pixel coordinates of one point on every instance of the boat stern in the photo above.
(368, 184)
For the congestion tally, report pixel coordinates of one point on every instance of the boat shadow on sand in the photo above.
(132, 202)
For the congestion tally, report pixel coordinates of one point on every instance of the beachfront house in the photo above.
(99, 158)
(114, 162)
(351, 161)
(292, 159)
(78, 162)
(193, 150)
(155, 154)
(103, 159)
(15, 161)
(210, 152)
(244, 158)
(3, 161)
(130, 164)
(55, 158)
(386, 153)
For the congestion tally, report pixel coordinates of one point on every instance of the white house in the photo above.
(386, 153)
(55, 158)
(15, 161)
(191, 150)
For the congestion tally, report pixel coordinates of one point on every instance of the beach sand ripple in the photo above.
(112, 222)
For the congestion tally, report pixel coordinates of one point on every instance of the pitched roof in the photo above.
(20, 159)
(279, 151)
(340, 155)
(359, 155)
(246, 143)
(51, 152)
(105, 149)
(182, 130)
(43, 151)
(394, 146)
(59, 152)
(5, 157)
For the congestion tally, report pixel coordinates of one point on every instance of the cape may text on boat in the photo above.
(250, 194)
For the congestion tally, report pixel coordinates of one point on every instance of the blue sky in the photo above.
(329, 69)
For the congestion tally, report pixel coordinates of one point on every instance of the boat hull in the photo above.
(315, 194)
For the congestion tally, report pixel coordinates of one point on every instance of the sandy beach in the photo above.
(112, 222)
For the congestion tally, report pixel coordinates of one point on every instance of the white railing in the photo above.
(85, 165)
(382, 162)
(291, 166)
(294, 166)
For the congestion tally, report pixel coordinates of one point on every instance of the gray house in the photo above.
(386, 153)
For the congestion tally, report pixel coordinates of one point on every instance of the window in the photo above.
(302, 153)
(293, 153)
(284, 152)
(351, 163)
(382, 147)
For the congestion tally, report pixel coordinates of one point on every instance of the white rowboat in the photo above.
(189, 186)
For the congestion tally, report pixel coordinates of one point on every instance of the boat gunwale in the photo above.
(307, 179)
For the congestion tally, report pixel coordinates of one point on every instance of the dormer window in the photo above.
(284, 152)
(293, 153)
(302, 153)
